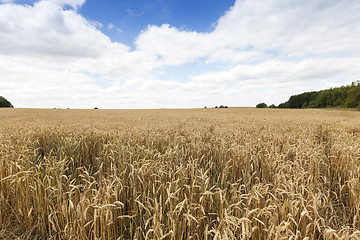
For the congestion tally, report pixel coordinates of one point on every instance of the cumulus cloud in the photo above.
(172, 45)
(282, 45)
(261, 48)
(47, 30)
(50, 36)
(292, 28)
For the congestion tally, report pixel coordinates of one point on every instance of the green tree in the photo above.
(353, 98)
(272, 106)
(5, 103)
(282, 105)
(261, 105)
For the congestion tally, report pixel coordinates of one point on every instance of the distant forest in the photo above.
(341, 97)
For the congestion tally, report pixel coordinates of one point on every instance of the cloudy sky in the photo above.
(174, 53)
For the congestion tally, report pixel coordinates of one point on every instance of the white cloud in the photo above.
(267, 50)
(73, 3)
(133, 13)
(172, 45)
(292, 28)
(47, 30)
(275, 73)
(111, 26)
(273, 44)
(50, 36)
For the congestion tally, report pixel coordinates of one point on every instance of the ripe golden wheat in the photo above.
(179, 174)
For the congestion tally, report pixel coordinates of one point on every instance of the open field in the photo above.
(237, 173)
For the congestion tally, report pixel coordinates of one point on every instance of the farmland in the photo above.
(237, 173)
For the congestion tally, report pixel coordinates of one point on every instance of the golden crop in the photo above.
(238, 173)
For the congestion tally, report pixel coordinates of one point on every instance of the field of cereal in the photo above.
(237, 173)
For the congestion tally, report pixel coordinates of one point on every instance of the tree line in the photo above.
(342, 97)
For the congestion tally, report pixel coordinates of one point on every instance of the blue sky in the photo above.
(129, 17)
(174, 54)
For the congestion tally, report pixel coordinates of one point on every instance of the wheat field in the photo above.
(237, 173)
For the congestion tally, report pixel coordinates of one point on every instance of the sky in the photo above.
(123, 54)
